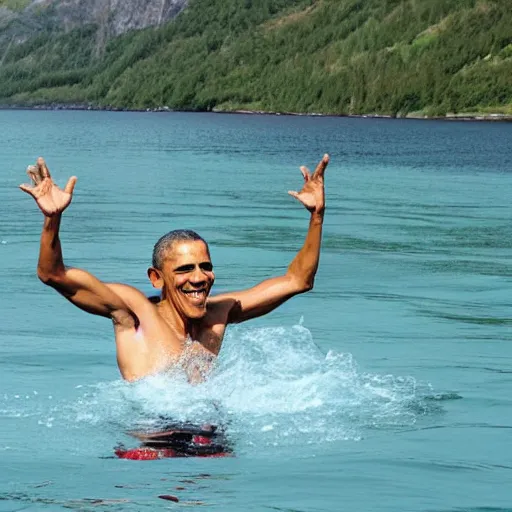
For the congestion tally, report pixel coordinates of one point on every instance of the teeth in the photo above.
(195, 295)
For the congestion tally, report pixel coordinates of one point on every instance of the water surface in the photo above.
(388, 387)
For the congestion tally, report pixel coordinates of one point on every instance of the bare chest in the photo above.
(156, 348)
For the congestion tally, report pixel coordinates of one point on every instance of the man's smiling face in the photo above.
(188, 277)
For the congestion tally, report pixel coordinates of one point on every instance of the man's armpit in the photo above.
(224, 310)
(125, 319)
(235, 312)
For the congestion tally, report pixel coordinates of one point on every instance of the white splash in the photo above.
(270, 387)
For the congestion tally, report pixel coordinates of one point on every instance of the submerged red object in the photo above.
(143, 453)
(180, 440)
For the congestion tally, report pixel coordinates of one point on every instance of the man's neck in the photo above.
(181, 326)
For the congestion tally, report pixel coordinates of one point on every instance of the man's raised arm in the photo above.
(81, 288)
(301, 272)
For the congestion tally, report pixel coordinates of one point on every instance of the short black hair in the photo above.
(167, 241)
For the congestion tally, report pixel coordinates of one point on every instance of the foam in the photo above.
(270, 387)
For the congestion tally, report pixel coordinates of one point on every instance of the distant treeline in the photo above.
(325, 56)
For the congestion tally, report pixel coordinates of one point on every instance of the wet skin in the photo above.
(152, 336)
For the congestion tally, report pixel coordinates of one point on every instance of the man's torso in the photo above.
(149, 344)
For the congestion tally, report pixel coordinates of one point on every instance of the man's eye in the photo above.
(207, 267)
(185, 268)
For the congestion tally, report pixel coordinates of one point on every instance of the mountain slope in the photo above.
(22, 19)
(326, 56)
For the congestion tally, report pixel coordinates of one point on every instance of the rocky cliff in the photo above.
(20, 20)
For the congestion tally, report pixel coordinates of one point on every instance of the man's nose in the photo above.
(197, 276)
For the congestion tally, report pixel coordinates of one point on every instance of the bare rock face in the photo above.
(113, 17)
(119, 15)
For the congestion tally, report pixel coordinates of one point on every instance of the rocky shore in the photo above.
(470, 116)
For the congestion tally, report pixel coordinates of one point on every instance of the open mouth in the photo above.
(196, 296)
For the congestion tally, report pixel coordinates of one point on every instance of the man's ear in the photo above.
(155, 278)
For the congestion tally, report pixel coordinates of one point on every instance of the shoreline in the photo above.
(466, 116)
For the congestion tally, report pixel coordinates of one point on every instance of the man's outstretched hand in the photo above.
(312, 194)
(49, 197)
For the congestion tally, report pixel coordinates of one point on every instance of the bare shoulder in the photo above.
(134, 298)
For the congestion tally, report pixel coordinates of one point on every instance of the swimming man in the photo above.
(185, 323)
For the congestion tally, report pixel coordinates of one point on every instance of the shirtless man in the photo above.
(152, 335)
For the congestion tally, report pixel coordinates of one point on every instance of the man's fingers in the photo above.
(27, 189)
(43, 169)
(33, 174)
(305, 172)
(293, 194)
(70, 185)
(320, 168)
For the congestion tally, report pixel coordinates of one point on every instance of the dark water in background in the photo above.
(386, 388)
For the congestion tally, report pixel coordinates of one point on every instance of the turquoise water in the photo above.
(388, 387)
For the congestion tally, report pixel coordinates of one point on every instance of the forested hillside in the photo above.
(389, 57)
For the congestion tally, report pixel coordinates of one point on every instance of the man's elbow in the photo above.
(308, 286)
(47, 278)
(303, 285)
